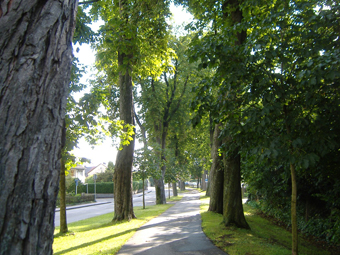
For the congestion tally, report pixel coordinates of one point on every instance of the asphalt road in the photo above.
(95, 210)
(177, 231)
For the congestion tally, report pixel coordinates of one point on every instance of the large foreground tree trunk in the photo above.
(62, 194)
(122, 178)
(35, 63)
(233, 209)
(216, 176)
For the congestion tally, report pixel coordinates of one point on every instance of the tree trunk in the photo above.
(233, 209)
(160, 191)
(204, 177)
(174, 189)
(35, 63)
(62, 192)
(216, 176)
(123, 207)
(293, 211)
(182, 185)
(211, 133)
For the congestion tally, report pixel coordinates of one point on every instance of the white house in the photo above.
(78, 172)
(101, 168)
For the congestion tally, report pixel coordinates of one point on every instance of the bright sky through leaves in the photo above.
(107, 151)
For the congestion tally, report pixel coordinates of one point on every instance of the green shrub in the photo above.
(101, 187)
(137, 185)
(76, 199)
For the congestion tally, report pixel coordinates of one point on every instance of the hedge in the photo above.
(70, 200)
(101, 187)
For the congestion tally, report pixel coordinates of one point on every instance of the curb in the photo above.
(84, 205)
(92, 204)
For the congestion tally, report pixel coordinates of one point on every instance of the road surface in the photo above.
(96, 210)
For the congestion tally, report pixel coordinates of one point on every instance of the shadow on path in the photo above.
(176, 231)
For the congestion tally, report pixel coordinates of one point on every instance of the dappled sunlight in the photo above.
(100, 234)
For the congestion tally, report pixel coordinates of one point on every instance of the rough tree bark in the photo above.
(35, 63)
(122, 178)
(174, 189)
(216, 176)
(233, 209)
(182, 185)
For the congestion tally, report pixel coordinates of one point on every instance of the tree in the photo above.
(288, 97)
(219, 31)
(162, 101)
(216, 177)
(77, 124)
(124, 53)
(36, 54)
(232, 208)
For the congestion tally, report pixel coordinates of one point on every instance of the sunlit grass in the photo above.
(264, 238)
(99, 235)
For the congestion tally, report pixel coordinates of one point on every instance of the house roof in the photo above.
(88, 169)
(78, 167)
(91, 168)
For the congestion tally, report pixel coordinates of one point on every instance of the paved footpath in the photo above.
(176, 231)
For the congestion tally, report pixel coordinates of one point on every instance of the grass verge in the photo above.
(264, 238)
(99, 235)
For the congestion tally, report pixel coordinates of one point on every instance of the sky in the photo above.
(106, 151)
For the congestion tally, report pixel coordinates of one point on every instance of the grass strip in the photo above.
(264, 238)
(99, 235)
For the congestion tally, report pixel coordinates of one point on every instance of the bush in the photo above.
(101, 187)
(76, 199)
(138, 185)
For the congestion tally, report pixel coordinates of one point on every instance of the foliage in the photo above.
(76, 199)
(263, 238)
(106, 176)
(278, 98)
(147, 162)
(101, 187)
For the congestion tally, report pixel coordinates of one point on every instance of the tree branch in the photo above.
(89, 2)
(142, 128)
(179, 100)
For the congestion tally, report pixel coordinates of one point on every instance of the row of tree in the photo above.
(258, 80)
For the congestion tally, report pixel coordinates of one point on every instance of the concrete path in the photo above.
(176, 231)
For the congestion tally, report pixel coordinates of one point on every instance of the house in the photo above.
(78, 172)
(101, 168)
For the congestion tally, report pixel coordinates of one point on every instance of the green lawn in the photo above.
(264, 238)
(99, 235)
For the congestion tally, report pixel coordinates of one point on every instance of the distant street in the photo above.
(92, 211)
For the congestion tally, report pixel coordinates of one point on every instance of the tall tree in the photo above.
(76, 123)
(218, 31)
(162, 100)
(232, 197)
(36, 54)
(287, 98)
(133, 40)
